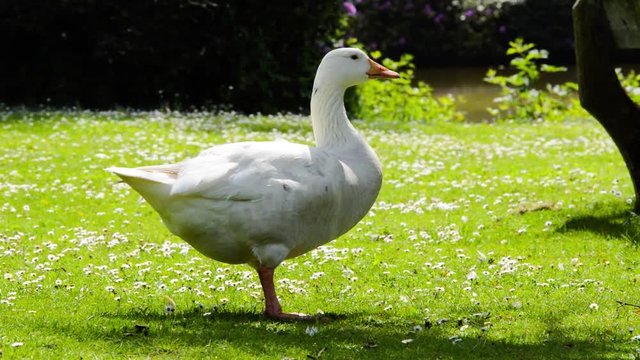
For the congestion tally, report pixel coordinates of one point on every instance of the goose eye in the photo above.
(354, 57)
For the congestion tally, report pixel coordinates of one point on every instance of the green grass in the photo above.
(520, 235)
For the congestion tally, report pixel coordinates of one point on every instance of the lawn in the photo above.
(487, 241)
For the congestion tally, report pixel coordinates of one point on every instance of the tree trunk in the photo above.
(600, 91)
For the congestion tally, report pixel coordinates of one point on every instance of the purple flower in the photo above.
(350, 8)
(438, 19)
(469, 13)
(428, 10)
(502, 29)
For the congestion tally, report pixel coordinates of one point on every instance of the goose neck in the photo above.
(331, 127)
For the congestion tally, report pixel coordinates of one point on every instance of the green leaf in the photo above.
(552, 68)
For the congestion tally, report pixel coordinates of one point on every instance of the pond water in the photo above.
(476, 95)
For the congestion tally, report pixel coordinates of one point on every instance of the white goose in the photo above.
(263, 202)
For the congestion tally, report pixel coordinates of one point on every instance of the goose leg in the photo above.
(273, 309)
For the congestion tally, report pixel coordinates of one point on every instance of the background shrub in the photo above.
(441, 32)
(251, 55)
(401, 100)
(456, 32)
(547, 23)
(247, 55)
(522, 98)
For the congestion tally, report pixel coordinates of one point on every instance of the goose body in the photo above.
(263, 202)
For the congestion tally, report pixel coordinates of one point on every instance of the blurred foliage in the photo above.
(547, 23)
(435, 31)
(453, 32)
(403, 99)
(522, 99)
(251, 55)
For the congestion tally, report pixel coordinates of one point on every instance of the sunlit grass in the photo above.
(487, 241)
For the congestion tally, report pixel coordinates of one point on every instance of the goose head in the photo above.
(347, 67)
(338, 70)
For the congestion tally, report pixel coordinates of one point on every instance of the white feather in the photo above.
(263, 202)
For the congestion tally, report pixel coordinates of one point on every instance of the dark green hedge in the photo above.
(253, 55)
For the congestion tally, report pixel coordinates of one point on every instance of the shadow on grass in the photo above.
(353, 336)
(608, 222)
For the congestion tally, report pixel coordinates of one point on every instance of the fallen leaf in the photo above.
(539, 206)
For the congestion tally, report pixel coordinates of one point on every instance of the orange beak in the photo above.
(377, 71)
